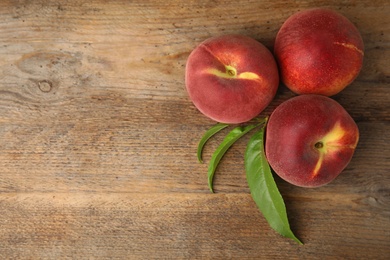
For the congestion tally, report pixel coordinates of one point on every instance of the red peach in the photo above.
(310, 139)
(319, 51)
(231, 78)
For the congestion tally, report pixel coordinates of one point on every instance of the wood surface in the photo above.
(98, 137)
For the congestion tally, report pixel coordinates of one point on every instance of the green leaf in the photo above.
(209, 133)
(263, 188)
(229, 140)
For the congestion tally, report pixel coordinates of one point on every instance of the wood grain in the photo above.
(178, 225)
(98, 137)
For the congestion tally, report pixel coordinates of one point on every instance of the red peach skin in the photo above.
(310, 139)
(319, 51)
(231, 78)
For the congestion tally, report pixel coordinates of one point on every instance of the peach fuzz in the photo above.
(231, 78)
(319, 51)
(310, 139)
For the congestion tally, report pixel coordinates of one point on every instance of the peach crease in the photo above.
(350, 46)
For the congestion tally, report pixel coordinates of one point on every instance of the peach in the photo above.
(310, 139)
(319, 51)
(231, 78)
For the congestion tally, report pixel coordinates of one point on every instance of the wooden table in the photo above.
(98, 138)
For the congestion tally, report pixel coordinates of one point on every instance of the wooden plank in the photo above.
(120, 156)
(185, 225)
(116, 45)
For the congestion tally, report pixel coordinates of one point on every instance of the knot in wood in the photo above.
(45, 86)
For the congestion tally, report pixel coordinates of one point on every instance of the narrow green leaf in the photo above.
(209, 133)
(263, 188)
(229, 140)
